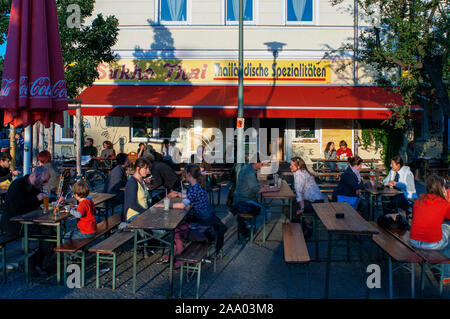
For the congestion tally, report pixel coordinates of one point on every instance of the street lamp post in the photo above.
(240, 128)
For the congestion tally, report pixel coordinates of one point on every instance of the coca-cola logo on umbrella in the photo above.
(41, 88)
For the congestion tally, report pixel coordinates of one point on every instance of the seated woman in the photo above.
(399, 177)
(343, 153)
(306, 188)
(330, 154)
(350, 185)
(136, 193)
(108, 150)
(428, 230)
(45, 159)
(198, 206)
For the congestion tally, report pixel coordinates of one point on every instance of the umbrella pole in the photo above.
(41, 137)
(12, 147)
(78, 140)
(35, 142)
(51, 139)
(27, 151)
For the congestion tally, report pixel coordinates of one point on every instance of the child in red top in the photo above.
(86, 225)
(344, 150)
(428, 230)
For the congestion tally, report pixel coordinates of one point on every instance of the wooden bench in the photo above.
(398, 252)
(252, 220)
(4, 240)
(327, 185)
(106, 252)
(434, 259)
(74, 248)
(191, 259)
(295, 252)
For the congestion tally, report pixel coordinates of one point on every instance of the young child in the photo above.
(86, 225)
(343, 153)
(5, 171)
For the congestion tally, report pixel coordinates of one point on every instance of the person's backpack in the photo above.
(200, 234)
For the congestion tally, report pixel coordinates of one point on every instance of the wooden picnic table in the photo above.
(37, 217)
(372, 161)
(285, 192)
(157, 219)
(352, 224)
(374, 193)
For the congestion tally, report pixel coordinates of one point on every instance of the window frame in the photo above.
(315, 15)
(59, 139)
(234, 23)
(155, 138)
(163, 22)
(317, 133)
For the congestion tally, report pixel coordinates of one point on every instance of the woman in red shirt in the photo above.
(428, 230)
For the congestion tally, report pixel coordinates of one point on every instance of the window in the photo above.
(174, 11)
(142, 128)
(232, 11)
(167, 125)
(65, 133)
(306, 131)
(299, 11)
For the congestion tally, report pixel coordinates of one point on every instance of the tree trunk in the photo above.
(433, 67)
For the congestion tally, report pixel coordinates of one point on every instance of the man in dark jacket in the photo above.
(163, 174)
(117, 179)
(24, 196)
(5, 171)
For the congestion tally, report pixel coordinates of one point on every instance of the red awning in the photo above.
(344, 102)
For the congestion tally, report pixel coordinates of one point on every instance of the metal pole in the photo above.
(12, 146)
(78, 140)
(41, 137)
(27, 151)
(51, 139)
(35, 142)
(240, 130)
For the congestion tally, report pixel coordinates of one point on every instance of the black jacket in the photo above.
(163, 174)
(348, 185)
(21, 198)
(5, 174)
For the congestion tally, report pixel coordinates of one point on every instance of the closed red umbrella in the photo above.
(33, 85)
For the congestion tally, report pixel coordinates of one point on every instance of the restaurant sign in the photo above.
(213, 71)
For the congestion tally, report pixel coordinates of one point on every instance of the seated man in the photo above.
(248, 188)
(163, 175)
(23, 196)
(5, 171)
(90, 150)
(117, 179)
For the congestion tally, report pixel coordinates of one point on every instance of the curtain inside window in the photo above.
(235, 4)
(299, 8)
(176, 9)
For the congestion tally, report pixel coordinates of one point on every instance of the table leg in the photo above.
(264, 227)
(172, 244)
(290, 209)
(58, 255)
(25, 229)
(134, 260)
(327, 276)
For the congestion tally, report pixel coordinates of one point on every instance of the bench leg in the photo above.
(65, 268)
(97, 271)
(114, 272)
(327, 276)
(441, 284)
(181, 279)
(308, 282)
(82, 269)
(288, 278)
(199, 273)
(422, 279)
(134, 260)
(3, 265)
(390, 277)
(412, 281)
